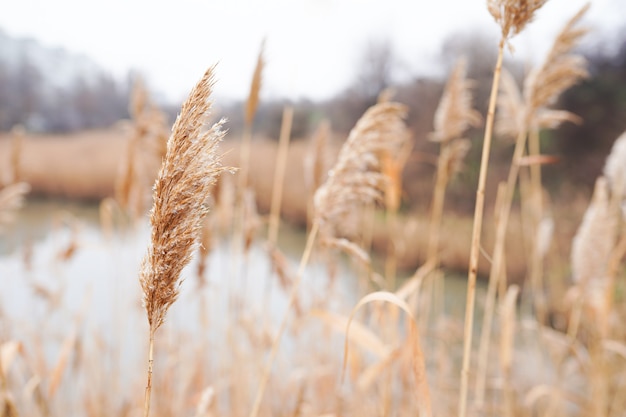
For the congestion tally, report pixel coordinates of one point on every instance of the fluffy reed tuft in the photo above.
(513, 15)
(190, 168)
(561, 69)
(356, 178)
(594, 241)
(615, 168)
(453, 117)
(592, 249)
(455, 113)
(511, 107)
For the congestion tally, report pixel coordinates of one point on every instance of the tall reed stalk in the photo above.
(250, 111)
(453, 117)
(190, 168)
(512, 16)
(279, 175)
(520, 118)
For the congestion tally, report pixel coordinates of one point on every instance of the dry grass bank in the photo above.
(85, 165)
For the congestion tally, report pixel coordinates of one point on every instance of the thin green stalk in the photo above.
(475, 248)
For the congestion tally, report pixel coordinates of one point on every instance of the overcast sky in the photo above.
(312, 46)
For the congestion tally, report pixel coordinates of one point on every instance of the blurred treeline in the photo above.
(95, 99)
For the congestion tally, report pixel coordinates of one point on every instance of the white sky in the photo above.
(312, 46)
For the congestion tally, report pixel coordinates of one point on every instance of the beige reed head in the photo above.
(595, 238)
(191, 166)
(615, 168)
(513, 15)
(455, 113)
(356, 179)
(561, 69)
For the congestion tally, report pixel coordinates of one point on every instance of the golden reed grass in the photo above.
(190, 168)
(279, 174)
(454, 115)
(512, 16)
(147, 143)
(354, 181)
(522, 114)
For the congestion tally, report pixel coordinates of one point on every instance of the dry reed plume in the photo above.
(513, 15)
(595, 249)
(356, 179)
(453, 117)
(455, 113)
(615, 170)
(190, 168)
(560, 70)
(594, 241)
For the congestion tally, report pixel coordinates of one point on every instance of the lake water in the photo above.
(61, 276)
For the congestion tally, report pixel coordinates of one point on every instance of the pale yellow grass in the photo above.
(81, 165)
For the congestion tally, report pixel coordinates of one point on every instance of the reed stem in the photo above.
(146, 404)
(279, 174)
(497, 263)
(475, 248)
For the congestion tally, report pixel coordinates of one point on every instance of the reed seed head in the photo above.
(560, 70)
(513, 15)
(510, 116)
(356, 179)
(190, 168)
(615, 168)
(595, 239)
(455, 114)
